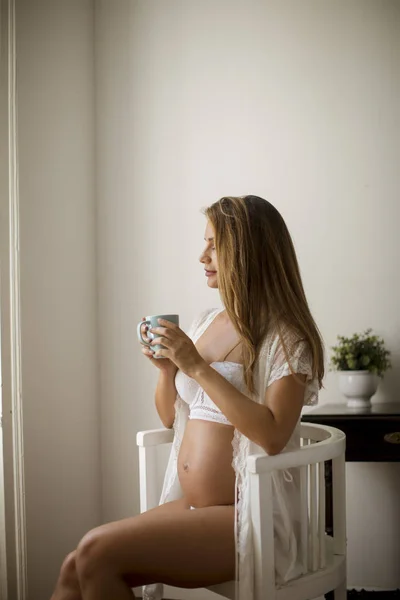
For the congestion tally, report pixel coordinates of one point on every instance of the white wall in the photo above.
(59, 359)
(293, 101)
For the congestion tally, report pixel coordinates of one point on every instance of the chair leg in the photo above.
(340, 593)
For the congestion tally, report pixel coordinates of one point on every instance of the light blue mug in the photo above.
(152, 322)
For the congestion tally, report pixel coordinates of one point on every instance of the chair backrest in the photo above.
(320, 444)
(322, 492)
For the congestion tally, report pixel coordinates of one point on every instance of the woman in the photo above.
(234, 385)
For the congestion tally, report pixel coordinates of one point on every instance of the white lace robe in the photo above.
(271, 366)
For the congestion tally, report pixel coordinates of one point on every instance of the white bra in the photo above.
(200, 404)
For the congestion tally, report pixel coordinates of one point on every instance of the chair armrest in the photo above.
(325, 450)
(154, 437)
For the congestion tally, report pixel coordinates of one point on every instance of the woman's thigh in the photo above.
(169, 544)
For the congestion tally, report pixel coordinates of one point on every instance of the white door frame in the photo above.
(13, 550)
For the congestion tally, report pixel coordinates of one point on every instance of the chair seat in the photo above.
(329, 577)
(315, 584)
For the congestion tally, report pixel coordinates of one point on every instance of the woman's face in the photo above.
(209, 257)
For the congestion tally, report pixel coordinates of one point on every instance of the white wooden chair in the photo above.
(322, 571)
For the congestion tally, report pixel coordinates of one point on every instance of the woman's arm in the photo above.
(269, 425)
(165, 397)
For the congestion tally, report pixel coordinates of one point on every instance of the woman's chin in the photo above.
(212, 281)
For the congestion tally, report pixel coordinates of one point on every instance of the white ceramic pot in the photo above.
(358, 387)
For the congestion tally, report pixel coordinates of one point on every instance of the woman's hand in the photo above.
(164, 364)
(179, 348)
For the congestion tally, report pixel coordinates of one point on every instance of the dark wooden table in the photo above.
(372, 435)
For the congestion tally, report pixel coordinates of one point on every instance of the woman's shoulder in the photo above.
(284, 345)
(286, 352)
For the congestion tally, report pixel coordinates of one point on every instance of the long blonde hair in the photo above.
(259, 279)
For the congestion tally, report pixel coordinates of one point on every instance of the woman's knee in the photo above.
(91, 554)
(68, 572)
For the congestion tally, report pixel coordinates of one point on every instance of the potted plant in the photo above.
(360, 360)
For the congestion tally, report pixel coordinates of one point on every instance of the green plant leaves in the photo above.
(360, 352)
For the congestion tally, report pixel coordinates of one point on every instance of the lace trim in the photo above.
(175, 447)
(240, 447)
(205, 413)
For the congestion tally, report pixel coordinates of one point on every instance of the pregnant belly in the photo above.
(205, 464)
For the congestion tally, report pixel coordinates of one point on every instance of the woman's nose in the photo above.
(204, 258)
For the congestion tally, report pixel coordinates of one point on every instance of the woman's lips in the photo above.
(209, 273)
